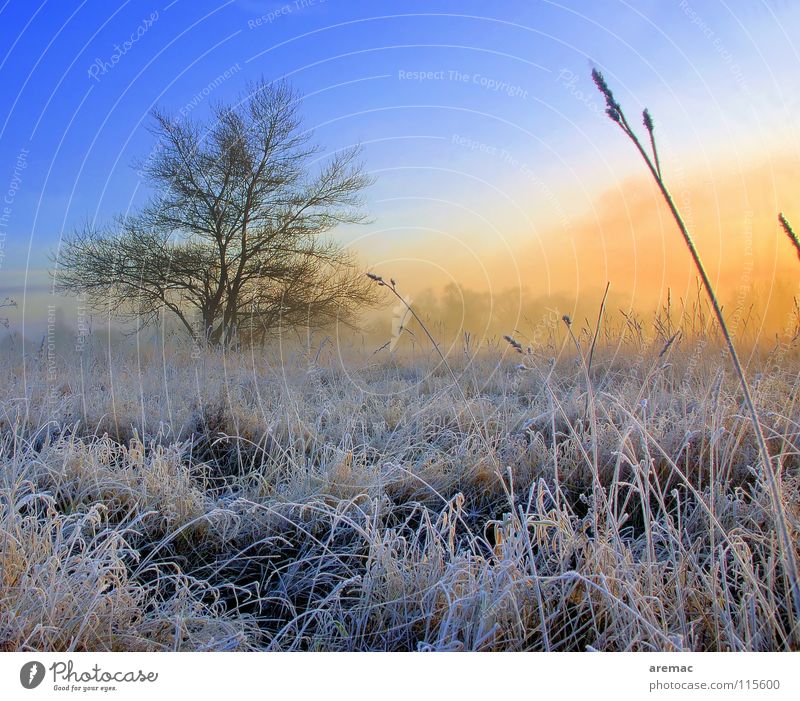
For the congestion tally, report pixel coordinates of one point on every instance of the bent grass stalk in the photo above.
(616, 114)
(392, 287)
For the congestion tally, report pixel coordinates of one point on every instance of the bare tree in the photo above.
(235, 242)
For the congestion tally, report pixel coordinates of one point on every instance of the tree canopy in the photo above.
(235, 241)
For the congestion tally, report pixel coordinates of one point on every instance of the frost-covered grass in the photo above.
(283, 500)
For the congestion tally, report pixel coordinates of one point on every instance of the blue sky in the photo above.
(502, 142)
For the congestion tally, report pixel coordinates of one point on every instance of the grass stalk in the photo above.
(617, 115)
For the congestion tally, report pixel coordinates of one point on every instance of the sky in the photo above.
(495, 166)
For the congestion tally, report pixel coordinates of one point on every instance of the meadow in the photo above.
(595, 490)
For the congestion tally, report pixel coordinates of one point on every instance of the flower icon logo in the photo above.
(31, 674)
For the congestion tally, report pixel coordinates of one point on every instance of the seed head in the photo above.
(613, 109)
(787, 227)
(516, 345)
(601, 84)
(648, 120)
